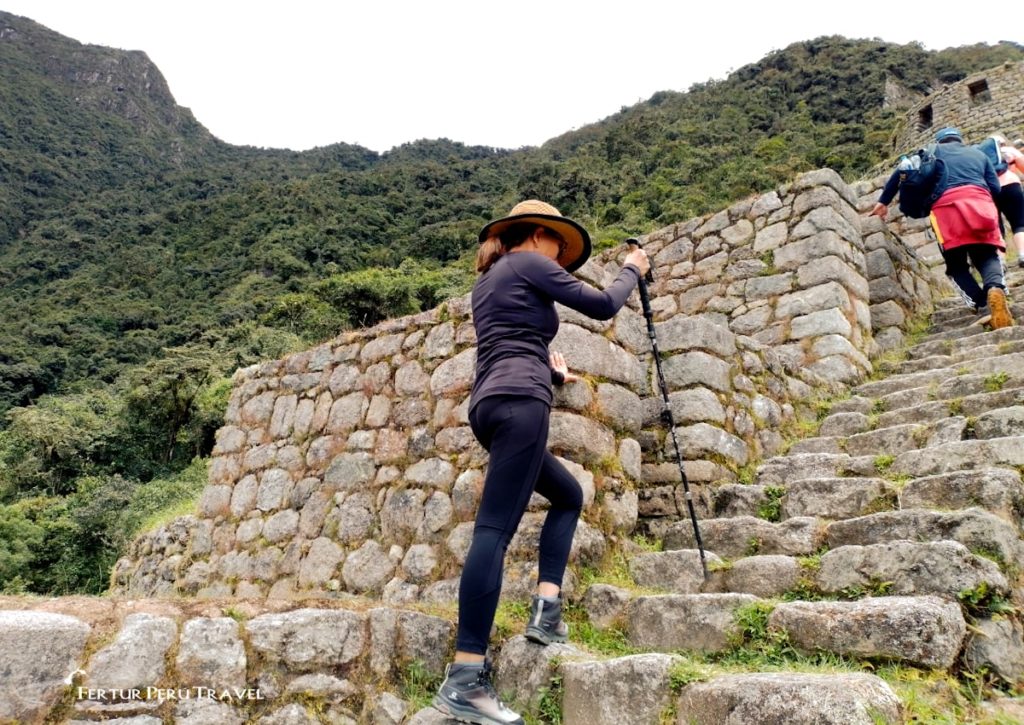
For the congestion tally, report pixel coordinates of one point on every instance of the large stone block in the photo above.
(630, 690)
(789, 698)
(924, 631)
(309, 640)
(696, 622)
(945, 568)
(591, 353)
(211, 654)
(39, 651)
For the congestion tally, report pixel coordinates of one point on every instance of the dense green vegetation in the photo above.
(142, 260)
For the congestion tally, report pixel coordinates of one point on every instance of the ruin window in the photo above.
(979, 92)
(924, 118)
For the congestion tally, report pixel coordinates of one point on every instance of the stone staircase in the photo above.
(892, 536)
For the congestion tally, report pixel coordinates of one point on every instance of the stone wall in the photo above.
(350, 468)
(157, 661)
(982, 103)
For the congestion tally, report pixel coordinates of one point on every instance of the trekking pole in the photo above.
(666, 411)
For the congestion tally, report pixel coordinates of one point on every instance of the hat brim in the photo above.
(577, 241)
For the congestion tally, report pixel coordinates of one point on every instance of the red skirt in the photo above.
(966, 215)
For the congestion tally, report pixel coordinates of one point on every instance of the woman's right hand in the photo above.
(638, 258)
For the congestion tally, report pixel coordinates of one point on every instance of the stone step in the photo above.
(890, 440)
(781, 470)
(794, 698)
(947, 346)
(949, 457)
(999, 491)
(950, 321)
(980, 531)
(971, 406)
(954, 388)
(943, 568)
(953, 359)
(693, 622)
(1011, 364)
(733, 538)
(823, 497)
(965, 332)
(923, 631)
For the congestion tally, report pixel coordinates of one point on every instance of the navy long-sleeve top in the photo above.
(515, 320)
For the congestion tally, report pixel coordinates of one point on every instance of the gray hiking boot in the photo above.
(546, 625)
(467, 695)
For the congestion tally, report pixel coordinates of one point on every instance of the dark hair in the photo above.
(494, 247)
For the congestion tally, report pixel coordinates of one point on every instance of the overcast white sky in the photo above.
(303, 73)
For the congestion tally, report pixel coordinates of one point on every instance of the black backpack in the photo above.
(922, 183)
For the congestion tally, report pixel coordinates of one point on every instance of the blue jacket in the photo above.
(965, 165)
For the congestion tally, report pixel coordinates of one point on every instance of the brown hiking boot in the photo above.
(1000, 310)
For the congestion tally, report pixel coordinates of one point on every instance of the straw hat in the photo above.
(577, 241)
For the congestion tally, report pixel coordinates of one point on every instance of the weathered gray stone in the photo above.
(630, 690)
(419, 562)
(590, 353)
(746, 536)
(822, 297)
(605, 604)
(388, 709)
(380, 348)
(367, 569)
(1000, 423)
(844, 424)
(205, 711)
(763, 576)
(621, 511)
(398, 636)
(211, 654)
(433, 472)
(696, 622)
(215, 501)
(351, 471)
(528, 671)
(354, 518)
(974, 528)
(695, 405)
(136, 657)
(583, 437)
(621, 406)
(694, 333)
(697, 368)
(440, 341)
(308, 640)
(630, 457)
(998, 645)
(676, 571)
(39, 651)
(402, 514)
(945, 568)
(282, 525)
(320, 562)
(924, 631)
(702, 440)
(826, 322)
(455, 375)
(837, 498)
(997, 490)
(274, 483)
(784, 698)
(347, 412)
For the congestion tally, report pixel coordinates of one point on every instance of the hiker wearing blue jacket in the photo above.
(966, 224)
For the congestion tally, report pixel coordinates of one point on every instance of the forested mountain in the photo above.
(142, 259)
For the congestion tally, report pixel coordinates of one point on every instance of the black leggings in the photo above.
(1011, 203)
(515, 431)
(985, 258)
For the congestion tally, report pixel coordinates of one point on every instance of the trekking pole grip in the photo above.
(634, 242)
